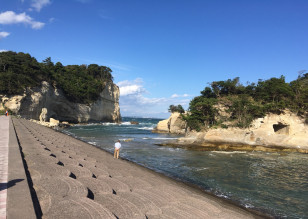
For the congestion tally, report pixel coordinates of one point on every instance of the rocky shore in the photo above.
(284, 132)
(72, 179)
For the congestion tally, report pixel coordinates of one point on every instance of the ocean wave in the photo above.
(125, 123)
(247, 205)
(91, 142)
(109, 123)
(199, 169)
(87, 124)
(126, 139)
(146, 128)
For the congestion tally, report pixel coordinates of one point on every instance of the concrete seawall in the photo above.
(72, 179)
(16, 199)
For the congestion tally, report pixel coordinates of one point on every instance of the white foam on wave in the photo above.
(91, 142)
(146, 128)
(109, 123)
(248, 205)
(126, 139)
(165, 138)
(222, 196)
(199, 169)
(126, 123)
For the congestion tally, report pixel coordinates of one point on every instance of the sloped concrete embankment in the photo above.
(73, 179)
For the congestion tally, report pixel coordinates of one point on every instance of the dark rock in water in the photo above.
(64, 125)
(134, 122)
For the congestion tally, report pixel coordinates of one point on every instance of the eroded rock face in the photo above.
(285, 130)
(31, 105)
(174, 125)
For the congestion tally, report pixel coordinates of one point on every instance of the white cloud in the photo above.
(131, 87)
(10, 17)
(39, 4)
(3, 50)
(178, 95)
(3, 35)
(134, 102)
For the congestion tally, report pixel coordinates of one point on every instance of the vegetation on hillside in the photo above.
(242, 104)
(178, 108)
(80, 83)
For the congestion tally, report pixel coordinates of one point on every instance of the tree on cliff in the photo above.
(80, 83)
(18, 71)
(246, 103)
(178, 108)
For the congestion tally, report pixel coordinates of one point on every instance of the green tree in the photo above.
(201, 113)
(178, 108)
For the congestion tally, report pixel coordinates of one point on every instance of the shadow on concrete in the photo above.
(10, 184)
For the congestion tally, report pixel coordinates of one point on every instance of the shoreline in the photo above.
(198, 195)
(255, 211)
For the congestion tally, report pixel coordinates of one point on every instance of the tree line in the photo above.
(243, 104)
(80, 83)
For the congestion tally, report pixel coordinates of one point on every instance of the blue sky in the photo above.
(163, 52)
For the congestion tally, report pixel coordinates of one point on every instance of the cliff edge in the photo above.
(47, 101)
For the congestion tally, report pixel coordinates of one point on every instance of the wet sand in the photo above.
(72, 179)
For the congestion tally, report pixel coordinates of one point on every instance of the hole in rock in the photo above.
(60, 163)
(80, 165)
(90, 194)
(281, 128)
(63, 152)
(47, 149)
(94, 176)
(114, 192)
(52, 155)
(72, 175)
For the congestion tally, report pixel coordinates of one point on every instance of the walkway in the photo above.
(4, 151)
(73, 179)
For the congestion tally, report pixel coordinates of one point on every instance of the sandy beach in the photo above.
(72, 179)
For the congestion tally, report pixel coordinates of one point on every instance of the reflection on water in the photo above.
(272, 182)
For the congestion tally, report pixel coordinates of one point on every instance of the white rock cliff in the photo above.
(46, 101)
(286, 130)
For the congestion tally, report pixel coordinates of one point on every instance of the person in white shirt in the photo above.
(117, 147)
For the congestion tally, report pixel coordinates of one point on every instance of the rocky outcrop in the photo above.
(174, 124)
(45, 102)
(283, 132)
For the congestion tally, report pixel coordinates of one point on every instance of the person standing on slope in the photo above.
(117, 147)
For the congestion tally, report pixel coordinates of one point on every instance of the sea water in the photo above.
(274, 183)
